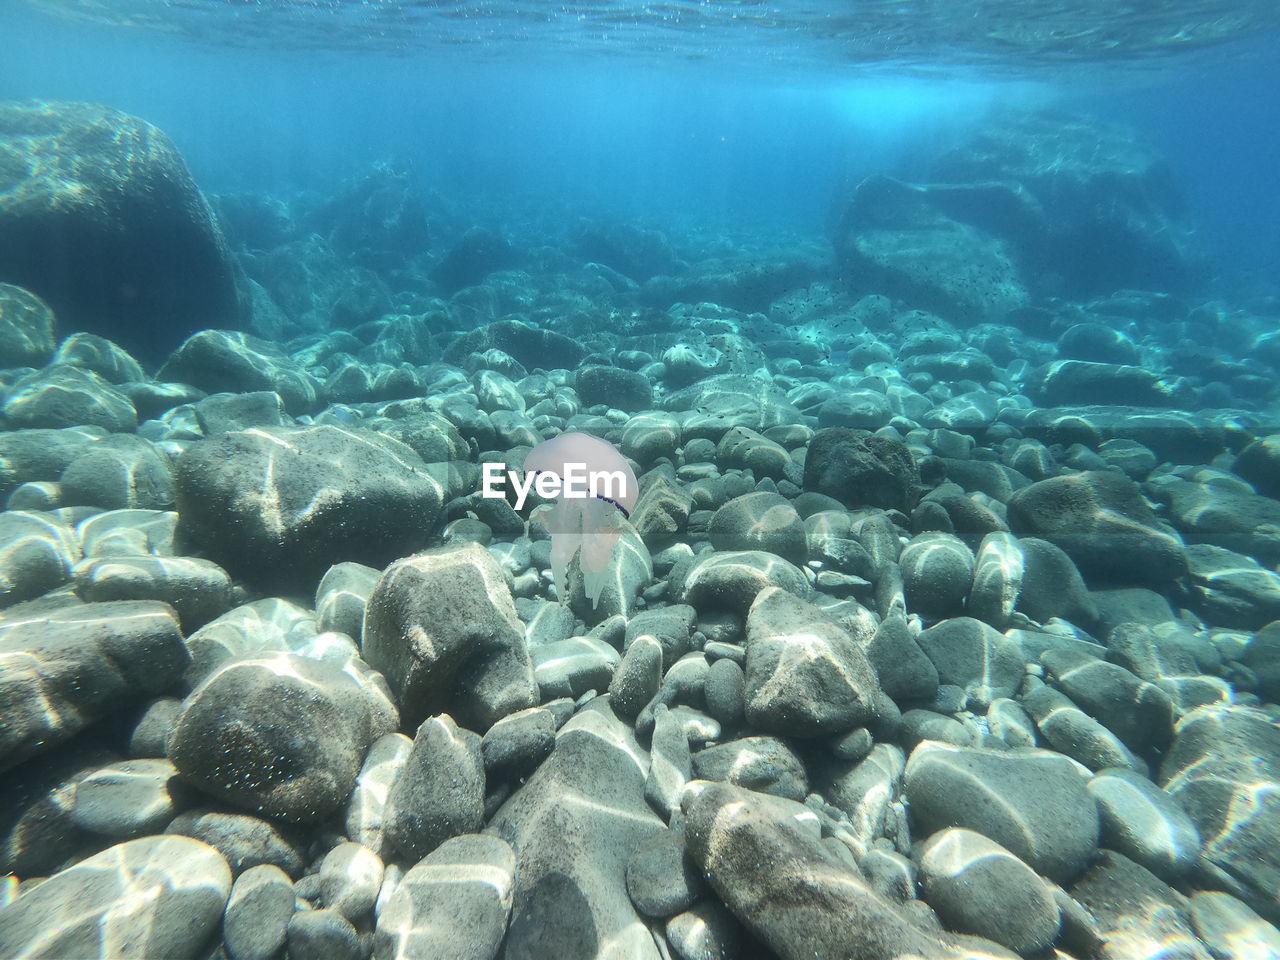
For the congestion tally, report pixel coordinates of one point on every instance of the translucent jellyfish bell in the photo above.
(589, 524)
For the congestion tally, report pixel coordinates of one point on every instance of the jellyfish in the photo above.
(589, 524)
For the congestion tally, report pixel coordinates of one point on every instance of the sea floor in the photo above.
(944, 619)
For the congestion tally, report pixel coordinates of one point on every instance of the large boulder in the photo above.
(1103, 523)
(61, 670)
(908, 241)
(151, 897)
(279, 505)
(100, 217)
(280, 735)
(442, 627)
(1110, 215)
(861, 469)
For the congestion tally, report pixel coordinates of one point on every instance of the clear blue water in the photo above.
(733, 115)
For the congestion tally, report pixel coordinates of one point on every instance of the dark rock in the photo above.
(440, 794)
(805, 676)
(257, 915)
(979, 887)
(1145, 824)
(720, 403)
(152, 897)
(66, 668)
(229, 361)
(454, 903)
(660, 879)
(108, 360)
(322, 935)
(224, 412)
(1102, 522)
(908, 242)
(731, 581)
(531, 346)
(1141, 714)
(37, 556)
(781, 882)
(905, 672)
(26, 328)
(1107, 213)
(280, 735)
(614, 387)
(332, 494)
(1259, 463)
(763, 764)
(574, 826)
(198, 590)
(1134, 909)
(103, 220)
(443, 629)
(975, 657)
(66, 396)
(937, 571)
(515, 745)
(1033, 803)
(475, 255)
(128, 798)
(119, 473)
(1079, 381)
(760, 521)
(1222, 753)
(861, 469)
(35, 455)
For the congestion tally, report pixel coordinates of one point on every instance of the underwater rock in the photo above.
(531, 346)
(235, 362)
(41, 455)
(1034, 803)
(455, 902)
(975, 657)
(26, 328)
(257, 913)
(913, 243)
(197, 589)
(722, 402)
(440, 791)
(36, 555)
(1069, 382)
(279, 505)
(1108, 215)
(64, 669)
(129, 798)
(67, 396)
(1134, 909)
(805, 676)
(1146, 824)
(762, 764)
(108, 360)
(731, 580)
(103, 220)
(979, 887)
(471, 258)
(442, 627)
(1259, 463)
(278, 734)
(1219, 754)
(117, 473)
(574, 826)
(614, 387)
(1102, 522)
(776, 876)
(760, 521)
(861, 469)
(160, 896)
(1140, 713)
